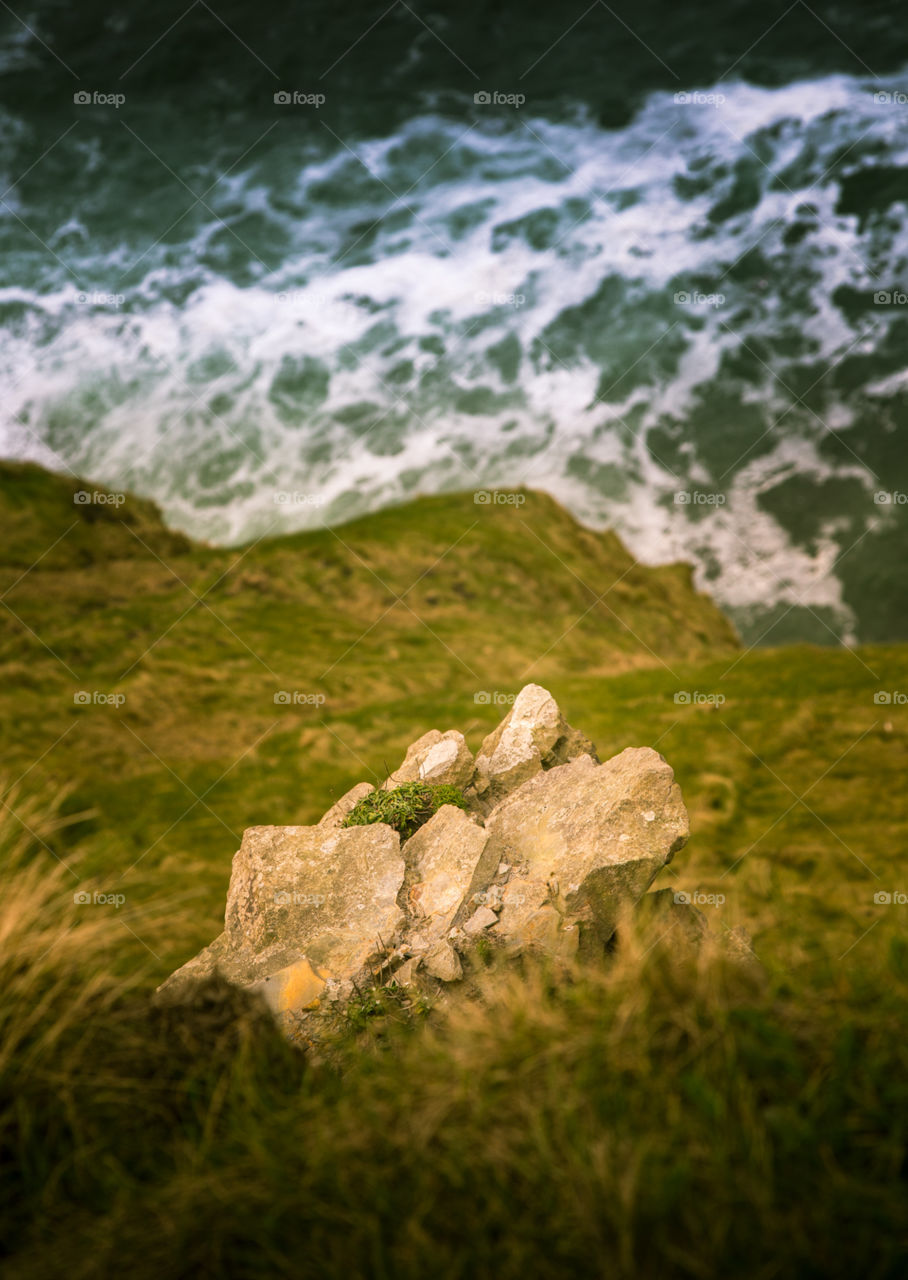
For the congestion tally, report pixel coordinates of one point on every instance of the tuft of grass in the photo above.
(375, 1006)
(405, 808)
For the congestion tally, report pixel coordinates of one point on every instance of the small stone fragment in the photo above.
(479, 920)
(338, 811)
(436, 758)
(444, 963)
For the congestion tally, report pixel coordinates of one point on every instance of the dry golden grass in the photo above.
(672, 1112)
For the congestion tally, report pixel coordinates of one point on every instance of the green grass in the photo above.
(397, 623)
(671, 1115)
(406, 808)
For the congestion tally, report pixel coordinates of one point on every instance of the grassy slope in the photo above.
(667, 1119)
(397, 621)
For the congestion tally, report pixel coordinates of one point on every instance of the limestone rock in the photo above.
(544, 929)
(249, 970)
(306, 906)
(586, 839)
(532, 737)
(296, 987)
(333, 892)
(481, 919)
(491, 897)
(446, 862)
(405, 976)
(443, 963)
(339, 810)
(437, 758)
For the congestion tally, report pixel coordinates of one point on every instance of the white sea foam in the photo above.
(414, 338)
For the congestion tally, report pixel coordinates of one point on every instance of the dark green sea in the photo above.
(275, 266)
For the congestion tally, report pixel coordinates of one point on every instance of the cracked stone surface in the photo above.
(446, 863)
(587, 838)
(316, 894)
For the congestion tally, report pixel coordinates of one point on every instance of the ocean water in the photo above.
(686, 318)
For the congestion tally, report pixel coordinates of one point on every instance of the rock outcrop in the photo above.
(551, 848)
